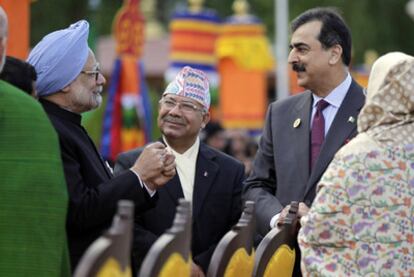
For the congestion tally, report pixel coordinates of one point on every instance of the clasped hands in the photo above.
(302, 211)
(155, 165)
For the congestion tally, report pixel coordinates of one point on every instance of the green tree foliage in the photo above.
(382, 25)
(49, 15)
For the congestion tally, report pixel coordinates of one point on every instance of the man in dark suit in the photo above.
(70, 83)
(210, 179)
(301, 135)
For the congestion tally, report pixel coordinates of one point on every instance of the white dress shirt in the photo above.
(334, 98)
(186, 167)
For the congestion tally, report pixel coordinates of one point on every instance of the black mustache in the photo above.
(298, 67)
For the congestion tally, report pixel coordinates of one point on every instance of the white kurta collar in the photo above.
(186, 167)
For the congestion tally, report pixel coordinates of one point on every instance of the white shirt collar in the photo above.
(189, 153)
(337, 95)
(186, 167)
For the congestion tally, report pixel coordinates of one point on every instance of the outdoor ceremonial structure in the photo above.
(233, 51)
(18, 12)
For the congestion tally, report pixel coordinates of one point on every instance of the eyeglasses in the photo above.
(92, 72)
(183, 106)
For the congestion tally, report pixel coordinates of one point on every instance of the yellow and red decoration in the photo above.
(193, 37)
(127, 119)
(244, 60)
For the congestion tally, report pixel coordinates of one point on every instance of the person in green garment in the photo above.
(33, 193)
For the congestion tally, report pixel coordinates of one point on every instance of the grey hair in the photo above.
(3, 23)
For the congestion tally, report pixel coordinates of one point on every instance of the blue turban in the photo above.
(59, 57)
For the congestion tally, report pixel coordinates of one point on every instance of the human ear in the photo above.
(206, 119)
(336, 54)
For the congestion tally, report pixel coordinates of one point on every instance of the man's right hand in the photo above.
(302, 211)
(282, 216)
(155, 165)
(166, 173)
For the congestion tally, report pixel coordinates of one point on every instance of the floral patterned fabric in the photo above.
(361, 222)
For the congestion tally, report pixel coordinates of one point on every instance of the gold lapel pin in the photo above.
(296, 123)
(351, 119)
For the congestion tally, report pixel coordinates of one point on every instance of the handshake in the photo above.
(155, 165)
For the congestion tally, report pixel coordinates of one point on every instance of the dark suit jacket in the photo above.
(93, 192)
(216, 204)
(281, 168)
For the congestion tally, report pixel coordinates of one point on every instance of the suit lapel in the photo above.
(206, 171)
(340, 130)
(174, 189)
(301, 133)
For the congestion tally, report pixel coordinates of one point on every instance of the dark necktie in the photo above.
(317, 132)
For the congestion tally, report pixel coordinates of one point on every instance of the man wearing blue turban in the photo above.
(70, 83)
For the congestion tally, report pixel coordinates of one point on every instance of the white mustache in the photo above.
(173, 119)
(99, 90)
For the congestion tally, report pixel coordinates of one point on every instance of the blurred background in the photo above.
(241, 90)
(381, 25)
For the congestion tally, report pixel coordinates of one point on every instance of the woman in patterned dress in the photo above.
(362, 220)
